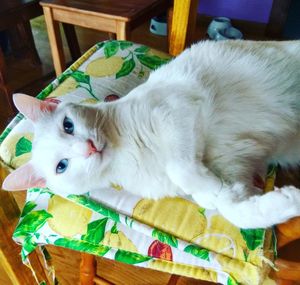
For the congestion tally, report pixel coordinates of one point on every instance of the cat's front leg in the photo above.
(196, 180)
(258, 211)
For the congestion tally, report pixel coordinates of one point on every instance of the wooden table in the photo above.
(112, 16)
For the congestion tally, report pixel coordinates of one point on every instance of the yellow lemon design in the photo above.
(243, 272)
(65, 87)
(69, 218)
(119, 241)
(15, 149)
(184, 270)
(158, 53)
(101, 67)
(176, 216)
(222, 237)
(18, 161)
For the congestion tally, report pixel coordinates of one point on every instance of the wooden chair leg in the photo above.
(72, 41)
(55, 42)
(288, 271)
(173, 279)
(88, 267)
(183, 24)
(284, 282)
(122, 31)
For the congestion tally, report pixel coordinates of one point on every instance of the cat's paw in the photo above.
(291, 198)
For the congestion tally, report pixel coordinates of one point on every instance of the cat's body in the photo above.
(201, 125)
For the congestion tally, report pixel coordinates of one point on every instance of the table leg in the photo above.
(55, 42)
(122, 31)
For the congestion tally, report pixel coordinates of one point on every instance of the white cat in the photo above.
(201, 125)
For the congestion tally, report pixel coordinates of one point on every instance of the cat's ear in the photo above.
(23, 178)
(31, 107)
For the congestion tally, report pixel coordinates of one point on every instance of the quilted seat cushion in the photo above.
(172, 234)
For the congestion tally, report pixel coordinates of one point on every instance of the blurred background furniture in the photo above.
(114, 17)
(14, 18)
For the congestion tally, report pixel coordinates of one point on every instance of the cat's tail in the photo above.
(259, 211)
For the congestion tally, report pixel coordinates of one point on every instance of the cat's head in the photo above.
(72, 147)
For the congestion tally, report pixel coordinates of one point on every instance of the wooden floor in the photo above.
(30, 79)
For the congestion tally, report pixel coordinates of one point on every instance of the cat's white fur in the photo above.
(201, 125)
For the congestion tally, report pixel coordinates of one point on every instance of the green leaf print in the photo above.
(100, 45)
(95, 231)
(111, 48)
(23, 146)
(29, 206)
(165, 238)
(231, 281)
(5, 134)
(45, 92)
(125, 44)
(81, 245)
(126, 68)
(253, 237)
(142, 49)
(81, 77)
(151, 61)
(31, 223)
(130, 257)
(41, 191)
(61, 78)
(203, 253)
(29, 245)
(87, 202)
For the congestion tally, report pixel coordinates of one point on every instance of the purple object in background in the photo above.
(250, 10)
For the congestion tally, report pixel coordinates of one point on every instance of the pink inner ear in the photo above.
(31, 107)
(23, 178)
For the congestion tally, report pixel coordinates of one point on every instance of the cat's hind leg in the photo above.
(258, 211)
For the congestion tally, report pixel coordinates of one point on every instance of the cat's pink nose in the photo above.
(91, 147)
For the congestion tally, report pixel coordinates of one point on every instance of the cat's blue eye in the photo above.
(68, 126)
(62, 166)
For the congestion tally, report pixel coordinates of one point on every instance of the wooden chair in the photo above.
(183, 19)
(115, 17)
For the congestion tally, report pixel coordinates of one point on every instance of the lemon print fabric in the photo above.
(68, 218)
(16, 149)
(104, 66)
(117, 239)
(176, 216)
(184, 270)
(69, 85)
